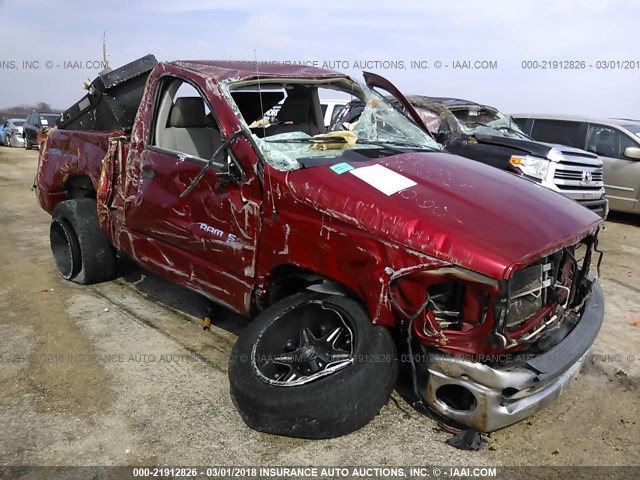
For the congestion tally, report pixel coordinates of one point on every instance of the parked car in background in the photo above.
(484, 134)
(34, 123)
(331, 109)
(11, 133)
(615, 141)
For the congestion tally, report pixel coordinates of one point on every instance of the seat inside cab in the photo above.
(184, 122)
(281, 109)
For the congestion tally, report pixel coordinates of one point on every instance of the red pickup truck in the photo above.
(342, 246)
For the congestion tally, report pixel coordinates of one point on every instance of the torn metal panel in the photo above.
(67, 154)
(509, 391)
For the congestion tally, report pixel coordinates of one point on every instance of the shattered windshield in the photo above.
(488, 122)
(297, 137)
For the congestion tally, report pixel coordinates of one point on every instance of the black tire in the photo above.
(329, 406)
(27, 146)
(80, 248)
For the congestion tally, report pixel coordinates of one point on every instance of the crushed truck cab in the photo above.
(331, 241)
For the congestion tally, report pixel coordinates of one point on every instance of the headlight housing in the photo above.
(530, 166)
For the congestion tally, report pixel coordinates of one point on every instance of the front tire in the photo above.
(312, 366)
(80, 248)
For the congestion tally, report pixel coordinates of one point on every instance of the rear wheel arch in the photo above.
(80, 186)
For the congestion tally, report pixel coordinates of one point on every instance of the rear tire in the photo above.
(329, 403)
(80, 247)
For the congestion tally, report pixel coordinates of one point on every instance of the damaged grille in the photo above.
(528, 292)
(557, 285)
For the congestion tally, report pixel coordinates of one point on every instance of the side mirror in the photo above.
(632, 152)
(229, 174)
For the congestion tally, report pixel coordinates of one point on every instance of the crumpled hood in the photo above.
(461, 211)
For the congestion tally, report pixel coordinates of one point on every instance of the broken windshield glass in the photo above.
(502, 126)
(282, 150)
(381, 122)
(294, 135)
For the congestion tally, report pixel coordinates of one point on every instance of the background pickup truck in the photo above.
(484, 134)
(331, 241)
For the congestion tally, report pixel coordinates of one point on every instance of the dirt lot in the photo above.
(164, 396)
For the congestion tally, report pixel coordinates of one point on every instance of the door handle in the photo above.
(148, 172)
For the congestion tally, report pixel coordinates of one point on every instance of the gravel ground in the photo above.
(164, 396)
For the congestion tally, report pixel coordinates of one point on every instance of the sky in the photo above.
(61, 35)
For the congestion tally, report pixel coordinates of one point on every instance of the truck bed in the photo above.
(67, 155)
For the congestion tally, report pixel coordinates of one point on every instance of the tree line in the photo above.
(21, 111)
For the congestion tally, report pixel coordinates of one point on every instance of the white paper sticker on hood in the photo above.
(383, 179)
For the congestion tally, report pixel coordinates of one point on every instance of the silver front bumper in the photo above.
(494, 409)
(508, 393)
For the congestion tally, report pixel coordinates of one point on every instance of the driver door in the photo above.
(207, 238)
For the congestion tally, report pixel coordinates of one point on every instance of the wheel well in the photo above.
(287, 280)
(80, 186)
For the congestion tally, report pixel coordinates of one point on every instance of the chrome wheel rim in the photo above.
(304, 343)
